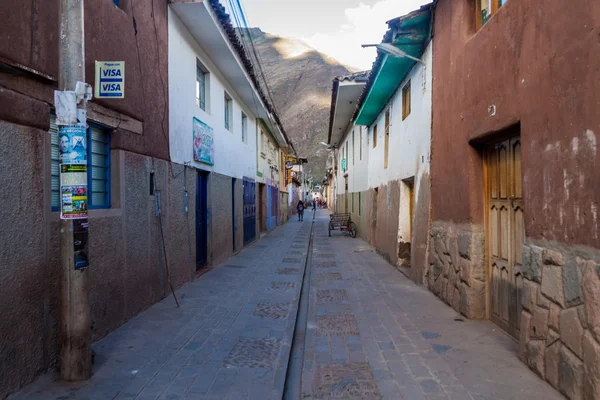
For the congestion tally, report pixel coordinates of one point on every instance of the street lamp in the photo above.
(393, 51)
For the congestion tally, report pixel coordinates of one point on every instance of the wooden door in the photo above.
(346, 194)
(505, 232)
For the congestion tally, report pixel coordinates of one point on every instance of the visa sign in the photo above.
(110, 79)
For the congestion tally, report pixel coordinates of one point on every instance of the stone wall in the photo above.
(127, 271)
(560, 322)
(456, 267)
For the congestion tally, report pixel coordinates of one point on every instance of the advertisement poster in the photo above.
(72, 143)
(73, 191)
(203, 143)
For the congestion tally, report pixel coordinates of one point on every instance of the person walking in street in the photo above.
(314, 205)
(300, 208)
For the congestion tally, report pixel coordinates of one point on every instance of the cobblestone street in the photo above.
(371, 334)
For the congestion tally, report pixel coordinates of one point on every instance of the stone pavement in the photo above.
(230, 339)
(371, 334)
(374, 334)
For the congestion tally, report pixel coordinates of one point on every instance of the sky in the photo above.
(334, 27)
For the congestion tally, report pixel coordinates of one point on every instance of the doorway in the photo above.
(201, 220)
(233, 182)
(249, 211)
(407, 199)
(262, 208)
(505, 232)
(346, 194)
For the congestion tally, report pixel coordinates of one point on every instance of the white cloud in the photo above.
(364, 25)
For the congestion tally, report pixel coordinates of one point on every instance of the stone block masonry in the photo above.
(456, 267)
(560, 322)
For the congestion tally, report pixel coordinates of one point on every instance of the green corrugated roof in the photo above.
(409, 33)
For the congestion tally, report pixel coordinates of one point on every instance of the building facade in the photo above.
(128, 143)
(218, 122)
(153, 185)
(514, 178)
(384, 152)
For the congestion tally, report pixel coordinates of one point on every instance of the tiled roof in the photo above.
(239, 48)
(355, 77)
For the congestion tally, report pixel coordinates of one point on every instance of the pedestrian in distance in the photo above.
(314, 204)
(300, 208)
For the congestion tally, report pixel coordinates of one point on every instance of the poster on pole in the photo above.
(72, 144)
(203, 142)
(73, 191)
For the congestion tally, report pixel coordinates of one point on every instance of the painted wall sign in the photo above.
(73, 191)
(203, 142)
(110, 79)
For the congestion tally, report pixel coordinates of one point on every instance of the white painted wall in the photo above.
(232, 156)
(409, 145)
(409, 142)
(357, 163)
(268, 156)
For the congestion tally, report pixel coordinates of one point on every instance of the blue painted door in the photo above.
(272, 207)
(201, 220)
(249, 211)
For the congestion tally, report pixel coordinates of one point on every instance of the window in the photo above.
(485, 9)
(98, 162)
(263, 144)
(347, 156)
(244, 127)
(228, 111)
(387, 138)
(375, 136)
(98, 167)
(272, 154)
(360, 144)
(353, 153)
(54, 164)
(406, 101)
(201, 86)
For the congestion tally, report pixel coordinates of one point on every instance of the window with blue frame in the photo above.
(98, 161)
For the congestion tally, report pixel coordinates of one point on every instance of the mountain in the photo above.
(300, 81)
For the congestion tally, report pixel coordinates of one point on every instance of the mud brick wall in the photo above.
(456, 267)
(560, 322)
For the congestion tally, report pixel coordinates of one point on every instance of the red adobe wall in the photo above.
(29, 37)
(538, 62)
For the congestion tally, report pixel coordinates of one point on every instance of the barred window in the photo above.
(98, 163)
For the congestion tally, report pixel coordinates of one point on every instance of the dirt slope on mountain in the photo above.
(300, 79)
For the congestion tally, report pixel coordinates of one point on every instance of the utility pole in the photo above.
(75, 335)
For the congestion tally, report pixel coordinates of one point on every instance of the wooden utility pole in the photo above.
(75, 335)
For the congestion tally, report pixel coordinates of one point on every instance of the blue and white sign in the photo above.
(110, 79)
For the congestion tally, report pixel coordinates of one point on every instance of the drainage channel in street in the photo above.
(293, 379)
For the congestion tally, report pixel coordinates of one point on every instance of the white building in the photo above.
(382, 140)
(218, 119)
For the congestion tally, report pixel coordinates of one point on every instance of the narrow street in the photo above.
(370, 334)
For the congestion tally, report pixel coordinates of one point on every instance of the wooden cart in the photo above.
(342, 222)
